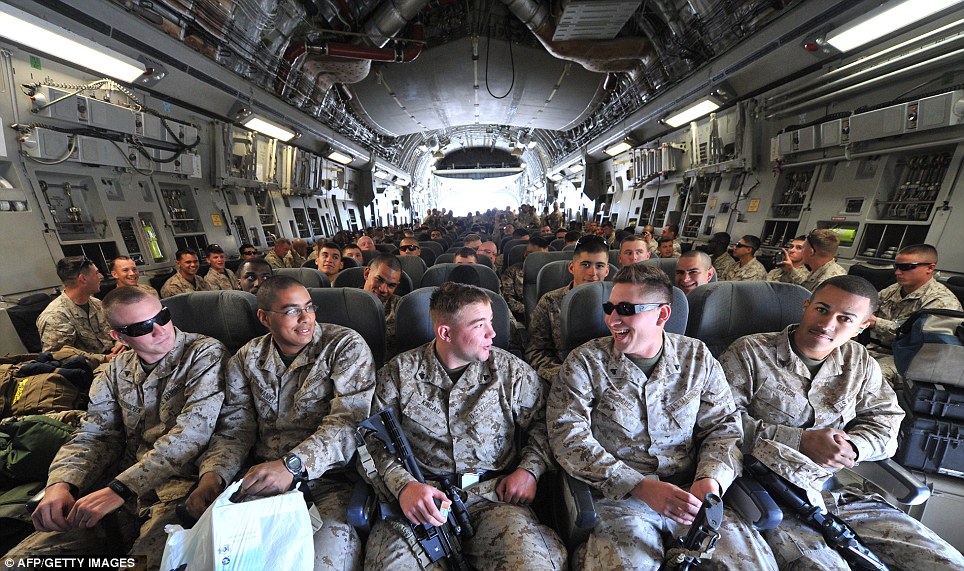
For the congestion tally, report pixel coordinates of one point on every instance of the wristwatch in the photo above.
(294, 465)
(121, 490)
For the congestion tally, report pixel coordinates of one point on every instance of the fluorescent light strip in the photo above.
(340, 158)
(40, 35)
(258, 124)
(575, 168)
(618, 148)
(692, 113)
(890, 19)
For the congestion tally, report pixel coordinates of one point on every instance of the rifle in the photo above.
(701, 538)
(438, 542)
(836, 532)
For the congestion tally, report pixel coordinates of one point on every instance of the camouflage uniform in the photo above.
(724, 264)
(779, 401)
(816, 277)
(391, 343)
(177, 284)
(611, 426)
(278, 262)
(894, 309)
(297, 259)
(63, 322)
(796, 275)
(544, 352)
(512, 291)
(468, 426)
(753, 270)
(218, 280)
(308, 408)
(146, 430)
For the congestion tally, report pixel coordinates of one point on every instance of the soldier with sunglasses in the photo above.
(647, 419)
(915, 289)
(151, 414)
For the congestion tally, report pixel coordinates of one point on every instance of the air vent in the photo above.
(594, 19)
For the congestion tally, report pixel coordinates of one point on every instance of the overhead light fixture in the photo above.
(385, 175)
(884, 20)
(340, 158)
(575, 168)
(33, 32)
(555, 177)
(692, 113)
(265, 127)
(619, 148)
(423, 148)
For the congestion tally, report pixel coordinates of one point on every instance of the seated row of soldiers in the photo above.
(649, 419)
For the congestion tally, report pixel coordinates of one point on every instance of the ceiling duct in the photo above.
(603, 56)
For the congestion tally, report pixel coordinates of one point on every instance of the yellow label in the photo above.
(20, 385)
(754, 205)
(216, 220)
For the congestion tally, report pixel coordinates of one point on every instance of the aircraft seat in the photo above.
(530, 273)
(450, 259)
(439, 273)
(24, 316)
(307, 276)
(230, 316)
(880, 277)
(414, 266)
(356, 309)
(556, 274)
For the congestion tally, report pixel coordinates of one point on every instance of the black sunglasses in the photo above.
(140, 328)
(408, 248)
(910, 266)
(626, 309)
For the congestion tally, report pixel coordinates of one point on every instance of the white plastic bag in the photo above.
(266, 533)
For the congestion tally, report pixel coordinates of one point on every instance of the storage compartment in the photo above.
(931, 445)
(935, 399)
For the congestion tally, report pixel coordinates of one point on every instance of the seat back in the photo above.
(24, 316)
(230, 316)
(507, 249)
(413, 324)
(516, 254)
(722, 312)
(386, 248)
(557, 244)
(433, 246)
(530, 273)
(356, 309)
(369, 255)
(157, 281)
(446, 258)
(582, 318)
(556, 274)
(428, 255)
(355, 277)
(307, 276)
(668, 265)
(414, 266)
(879, 277)
(439, 273)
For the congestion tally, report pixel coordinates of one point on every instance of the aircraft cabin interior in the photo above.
(136, 128)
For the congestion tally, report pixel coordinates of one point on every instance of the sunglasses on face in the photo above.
(408, 248)
(296, 311)
(140, 328)
(910, 266)
(249, 252)
(626, 309)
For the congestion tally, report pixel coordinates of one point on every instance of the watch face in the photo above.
(293, 463)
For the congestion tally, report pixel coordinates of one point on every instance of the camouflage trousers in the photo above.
(337, 546)
(888, 369)
(507, 537)
(113, 536)
(897, 539)
(630, 535)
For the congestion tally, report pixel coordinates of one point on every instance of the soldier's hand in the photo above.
(51, 512)
(669, 500)
(705, 486)
(519, 487)
(786, 265)
(417, 501)
(90, 509)
(267, 479)
(208, 488)
(828, 447)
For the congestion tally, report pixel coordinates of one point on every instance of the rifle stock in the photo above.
(437, 542)
(836, 532)
(701, 538)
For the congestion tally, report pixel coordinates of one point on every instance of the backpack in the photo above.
(930, 347)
